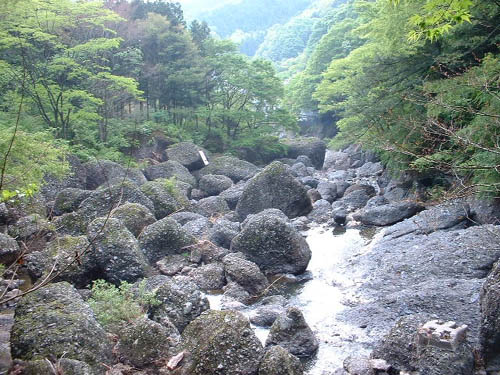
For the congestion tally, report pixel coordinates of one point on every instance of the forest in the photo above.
(417, 81)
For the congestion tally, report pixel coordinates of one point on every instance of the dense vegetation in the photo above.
(100, 77)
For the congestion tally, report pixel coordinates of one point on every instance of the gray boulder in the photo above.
(198, 228)
(143, 342)
(313, 148)
(221, 342)
(101, 172)
(209, 276)
(266, 311)
(370, 169)
(165, 237)
(278, 361)
(245, 273)
(170, 169)
(172, 264)
(9, 249)
(322, 212)
(490, 317)
(185, 217)
(299, 170)
(116, 251)
(212, 206)
(66, 366)
(233, 195)
(69, 199)
(72, 224)
(328, 190)
(213, 184)
(336, 160)
(31, 228)
(187, 154)
(76, 178)
(273, 244)
(387, 214)
(291, 331)
(134, 216)
(231, 167)
(165, 200)
(181, 301)
(223, 232)
(304, 159)
(355, 199)
(55, 321)
(274, 187)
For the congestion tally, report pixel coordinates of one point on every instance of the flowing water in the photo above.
(332, 287)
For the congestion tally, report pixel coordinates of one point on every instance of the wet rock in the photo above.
(339, 215)
(267, 212)
(328, 190)
(212, 206)
(490, 316)
(313, 148)
(101, 172)
(274, 187)
(105, 199)
(221, 342)
(181, 301)
(291, 331)
(9, 249)
(322, 212)
(376, 201)
(370, 169)
(55, 322)
(69, 199)
(358, 366)
(165, 237)
(166, 200)
(214, 184)
(172, 264)
(170, 169)
(267, 310)
(134, 216)
(387, 214)
(245, 273)
(209, 277)
(277, 361)
(300, 223)
(273, 244)
(234, 292)
(223, 232)
(187, 154)
(116, 251)
(231, 167)
(143, 342)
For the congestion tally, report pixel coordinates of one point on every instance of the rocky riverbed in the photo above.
(318, 264)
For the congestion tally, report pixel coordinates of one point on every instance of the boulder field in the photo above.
(182, 230)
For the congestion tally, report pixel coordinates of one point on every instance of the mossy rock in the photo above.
(69, 199)
(231, 167)
(166, 200)
(170, 169)
(278, 361)
(134, 216)
(65, 365)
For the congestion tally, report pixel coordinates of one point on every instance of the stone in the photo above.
(69, 199)
(172, 264)
(72, 224)
(134, 216)
(181, 301)
(267, 310)
(166, 200)
(370, 169)
(198, 228)
(212, 206)
(387, 214)
(222, 232)
(185, 217)
(357, 365)
(54, 321)
(221, 342)
(76, 178)
(313, 148)
(188, 155)
(273, 244)
(245, 273)
(234, 292)
(336, 161)
(30, 227)
(490, 316)
(9, 250)
(231, 167)
(445, 335)
(277, 361)
(116, 251)
(233, 194)
(209, 276)
(101, 172)
(64, 365)
(322, 212)
(299, 170)
(170, 169)
(165, 237)
(291, 331)
(274, 187)
(214, 184)
(327, 190)
(143, 342)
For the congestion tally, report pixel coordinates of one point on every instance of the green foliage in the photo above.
(259, 148)
(171, 185)
(116, 306)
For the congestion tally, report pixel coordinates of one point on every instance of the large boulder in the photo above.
(291, 331)
(245, 273)
(165, 237)
(64, 365)
(213, 184)
(209, 276)
(278, 361)
(223, 231)
(337, 160)
(273, 244)
(116, 251)
(313, 148)
(180, 302)
(166, 200)
(221, 342)
(134, 216)
(233, 194)
(69, 199)
(101, 172)
(105, 199)
(490, 317)
(170, 169)
(387, 214)
(76, 178)
(54, 321)
(327, 190)
(143, 342)
(9, 249)
(212, 206)
(274, 187)
(231, 167)
(187, 154)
